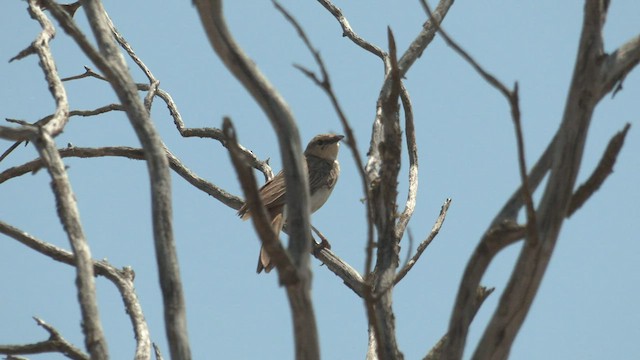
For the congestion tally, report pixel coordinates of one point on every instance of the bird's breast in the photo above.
(320, 195)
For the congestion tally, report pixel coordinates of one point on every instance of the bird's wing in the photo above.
(272, 193)
(319, 178)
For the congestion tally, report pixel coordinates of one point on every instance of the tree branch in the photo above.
(55, 343)
(424, 38)
(350, 276)
(40, 46)
(284, 125)
(211, 133)
(287, 273)
(123, 279)
(493, 241)
(516, 300)
(600, 173)
(46, 119)
(412, 150)
(324, 82)
(110, 62)
(382, 170)
(176, 165)
(512, 97)
(64, 197)
(348, 32)
(70, 218)
(482, 293)
(423, 245)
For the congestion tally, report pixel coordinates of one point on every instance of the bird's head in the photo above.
(324, 146)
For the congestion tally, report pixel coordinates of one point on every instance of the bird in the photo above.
(323, 169)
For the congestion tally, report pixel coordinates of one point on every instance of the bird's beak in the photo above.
(338, 138)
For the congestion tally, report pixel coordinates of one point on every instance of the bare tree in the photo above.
(596, 74)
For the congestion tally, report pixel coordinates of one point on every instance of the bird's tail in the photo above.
(264, 261)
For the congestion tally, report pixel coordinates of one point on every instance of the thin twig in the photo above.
(156, 351)
(513, 99)
(10, 150)
(487, 76)
(153, 82)
(600, 173)
(130, 153)
(210, 133)
(423, 245)
(46, 119)
(348, 31)
(424, 38)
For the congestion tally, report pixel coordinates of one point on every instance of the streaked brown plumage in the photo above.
(323, 169)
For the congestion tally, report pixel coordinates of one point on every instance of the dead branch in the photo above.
(279, 114)
(348, 31)
(600, 173)
(482, 293)
(121, 278)
(423, 245)
(512, 98)
(70, 218)
(40, 46)
(287, 273)
(412, 150)
(210, 133)
(46, 119)
(109, 61)
(42, 138)
(56, 343)
(131, 153)
(382, 175)
(338, 266)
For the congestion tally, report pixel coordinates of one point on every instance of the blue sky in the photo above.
(587, 304)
